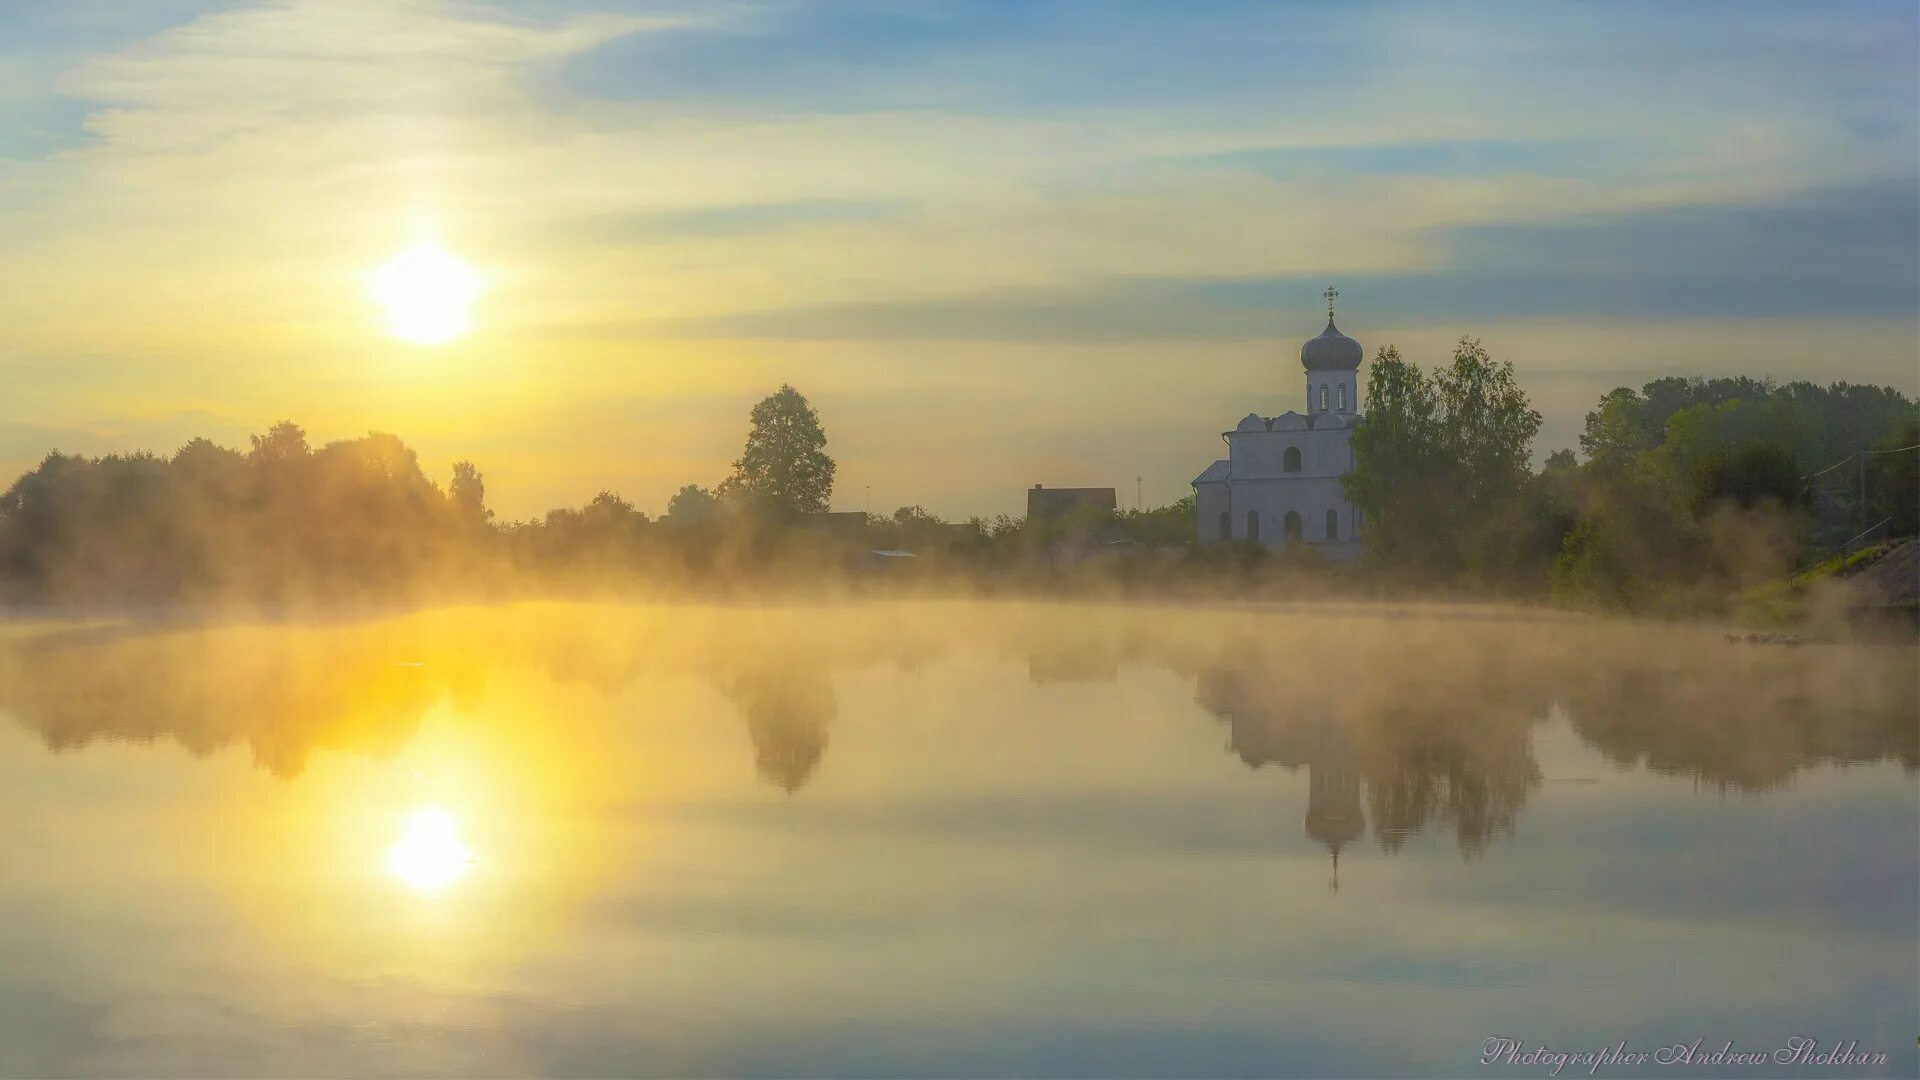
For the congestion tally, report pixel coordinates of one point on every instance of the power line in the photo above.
(1849, 458)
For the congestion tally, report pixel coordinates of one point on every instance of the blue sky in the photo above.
(1119, 215)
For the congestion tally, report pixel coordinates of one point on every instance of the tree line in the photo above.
(1685, 491)
(284, 522)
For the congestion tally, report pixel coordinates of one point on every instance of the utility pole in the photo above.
(867, 507)
(1138, 502)
(1862, 527)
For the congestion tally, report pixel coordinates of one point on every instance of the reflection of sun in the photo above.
(429, 855)
(426, 292)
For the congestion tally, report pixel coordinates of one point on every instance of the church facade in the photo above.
(1280, 483)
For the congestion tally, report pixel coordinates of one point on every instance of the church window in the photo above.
(1341, 394)
(1333, 524)
(1226, 525)
(1323, 397)
(1290, 461)
(1253, 525)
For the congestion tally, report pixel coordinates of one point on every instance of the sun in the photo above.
(429, 856)
(426, 293)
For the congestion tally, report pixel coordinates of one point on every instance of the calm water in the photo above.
(948, 838)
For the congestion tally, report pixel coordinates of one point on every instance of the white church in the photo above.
(1279, 484)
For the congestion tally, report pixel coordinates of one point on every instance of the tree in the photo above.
(784, 469)
(284, 441)
(1747, 476)
(1396, 456)
(1617, 431)
(1487, 424)
(611, 508)
(1440, 459)
(1170, 524)
(469, 493)
(692, 505)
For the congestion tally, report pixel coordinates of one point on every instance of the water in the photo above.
(938, 838)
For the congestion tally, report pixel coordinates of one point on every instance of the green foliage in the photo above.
(1439, 458)
(1748, 475)
(1816, 424)
(1396, 467)
(1619, 430)
(1691, 487)
(469, 493)
(693, 506)
(913, 528)
(356, 517)
(1894, 479)
(1486, 426)
(784, 470)
(1694, 486)
(1170, 524)
(1624, 542)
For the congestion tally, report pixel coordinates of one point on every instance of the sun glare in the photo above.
(426, 293)
(429, 855)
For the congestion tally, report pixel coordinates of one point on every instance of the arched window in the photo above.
(1341, 395)
(1323, 397)
(1226, 525)
(1290, 461)
(1333, 524)
(1294, 525)
(1253, 525)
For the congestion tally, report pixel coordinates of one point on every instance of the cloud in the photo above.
(1837, 251)
(739, 219)
(1420, 157)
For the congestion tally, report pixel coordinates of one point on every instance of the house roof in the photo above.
(1214, 474)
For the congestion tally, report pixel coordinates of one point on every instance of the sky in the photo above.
(995, 243)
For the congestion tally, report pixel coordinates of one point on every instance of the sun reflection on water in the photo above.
(429, 855)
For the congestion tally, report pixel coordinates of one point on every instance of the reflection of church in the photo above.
(1334, 817)
(1259, 736)
(1281, 481)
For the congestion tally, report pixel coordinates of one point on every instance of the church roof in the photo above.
(1331, 351)
(1214, 473)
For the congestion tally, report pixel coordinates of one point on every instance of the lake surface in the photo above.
(950, 838)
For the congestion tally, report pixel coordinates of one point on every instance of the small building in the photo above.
(885, 560)
(845, 524)
(1091, 549)
(1053, 503)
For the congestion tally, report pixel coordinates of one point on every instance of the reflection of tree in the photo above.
(1470, 767)
(1472, 771)
(1439, 728)
(1071, 660)
(1748, 718)
(283, 692)
(788, 708)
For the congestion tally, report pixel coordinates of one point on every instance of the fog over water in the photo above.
(946, 837)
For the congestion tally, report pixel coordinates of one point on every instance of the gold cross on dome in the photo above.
(1330, 294)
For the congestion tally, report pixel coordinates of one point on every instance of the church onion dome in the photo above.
(1253, 422)
(1331, 351)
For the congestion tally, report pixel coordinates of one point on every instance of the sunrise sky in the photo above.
(995, 243)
